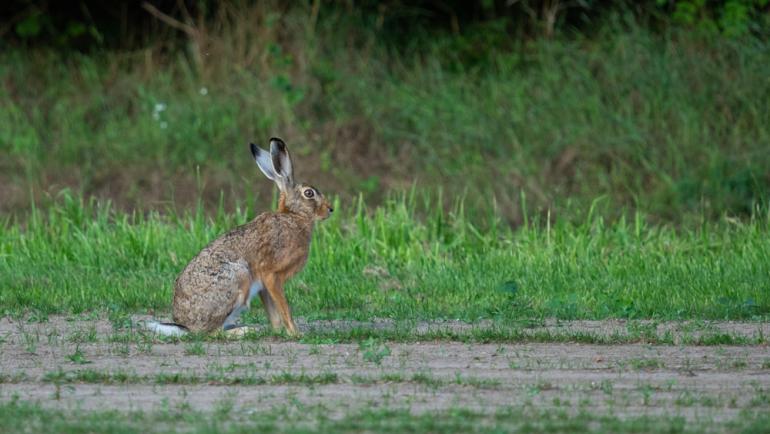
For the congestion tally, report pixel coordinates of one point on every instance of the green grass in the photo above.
(675, 123)
(399, 261)
(25, 417)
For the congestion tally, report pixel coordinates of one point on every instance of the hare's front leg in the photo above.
(270, 309)
(274, 286)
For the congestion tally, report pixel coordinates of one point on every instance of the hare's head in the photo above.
(297, 198)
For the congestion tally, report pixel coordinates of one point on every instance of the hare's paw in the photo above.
(293, 331)
(239, 332)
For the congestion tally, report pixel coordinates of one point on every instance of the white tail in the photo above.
(165, 328)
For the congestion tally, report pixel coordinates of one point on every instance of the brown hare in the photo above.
(256, 258)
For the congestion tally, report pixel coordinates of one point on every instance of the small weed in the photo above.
(82, 336)
(120, 319)
(428, 380)
(37, 316)
(761, 398)
(373, 351)
(195, 349)
(360, 379)
(122, 349)
(561, 402)
(255, 349)
(144, 346)
(225, 406)
(16, 378)
(739, 364)
(175, 378)
(52, 337)
(30, 342)
(533, 389)
(540, 386)
(78, 357)
(646, 391)
(645, 364)
(393, 377)
(641, 331)
(605, 386)
(685, 399)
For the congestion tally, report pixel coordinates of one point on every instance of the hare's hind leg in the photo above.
(242, 305)
(232, 319)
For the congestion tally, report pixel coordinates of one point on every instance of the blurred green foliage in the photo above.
(636, 103)
(730, 17)
(126, 24)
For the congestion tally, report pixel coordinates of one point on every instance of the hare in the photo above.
(254, 259)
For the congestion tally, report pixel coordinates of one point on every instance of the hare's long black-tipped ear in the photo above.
(282, 163)
(264, 161)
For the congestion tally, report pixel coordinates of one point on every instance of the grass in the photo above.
(18, 416)
(372, 340)
(672, 123)
(92, 376)
(405, 260)
(505, 334)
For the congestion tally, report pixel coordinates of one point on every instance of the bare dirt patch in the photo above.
(90, 365)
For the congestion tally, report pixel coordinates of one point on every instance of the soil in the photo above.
(694, 382)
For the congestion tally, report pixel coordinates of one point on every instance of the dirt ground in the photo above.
(695, 382)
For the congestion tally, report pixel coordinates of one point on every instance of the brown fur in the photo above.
(271, 248)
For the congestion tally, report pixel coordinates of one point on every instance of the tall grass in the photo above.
(672, 124)
(80, 255)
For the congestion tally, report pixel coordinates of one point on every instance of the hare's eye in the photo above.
(309, 193)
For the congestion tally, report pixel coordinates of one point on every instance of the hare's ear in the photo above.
(282, 163)
(264, 161)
